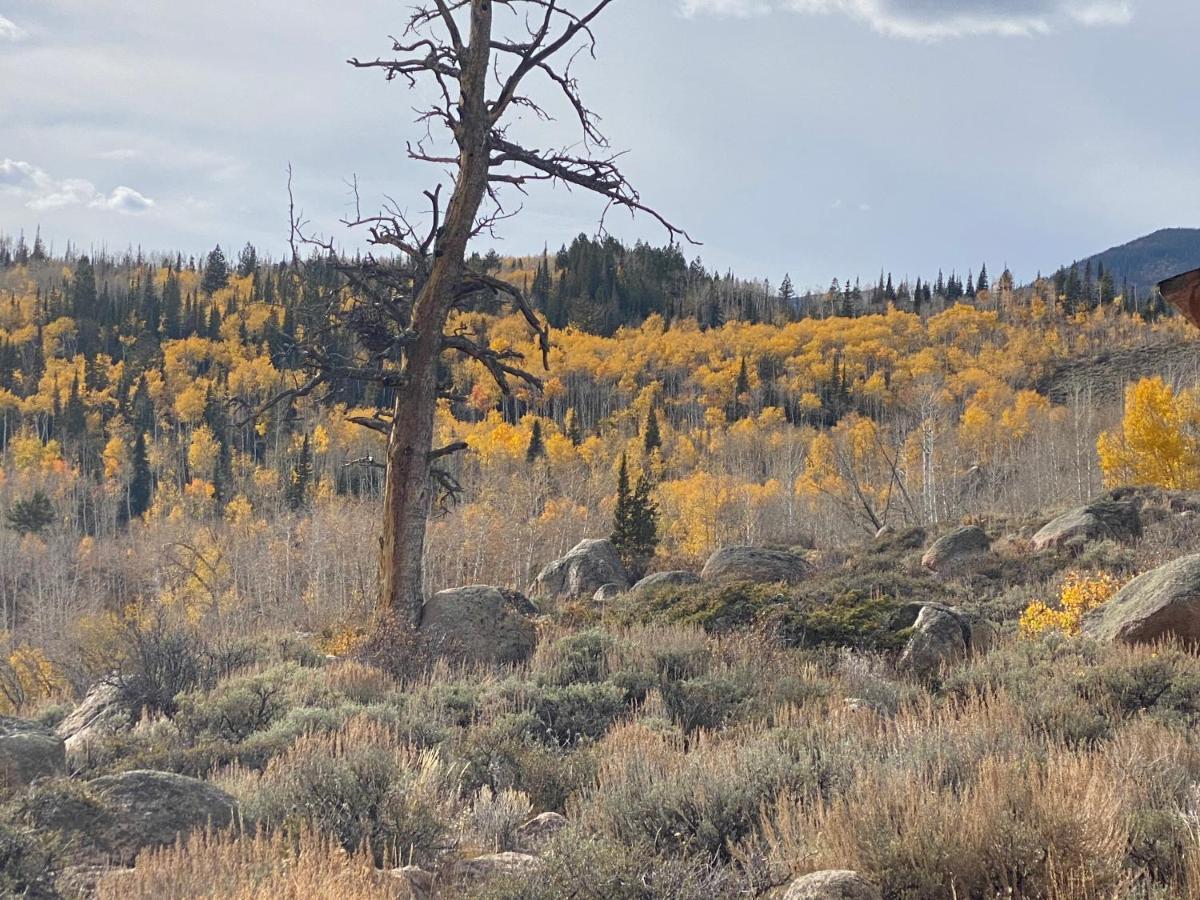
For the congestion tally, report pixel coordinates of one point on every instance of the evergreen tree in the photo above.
(982, 283)
(216, 272)
(787, 293)
(247, 261)
(32, 515)
(537, 446)
(635, 521)
(296, 494)
(83, 289)
(651, 437)
(741, 389)
(141, 485)
(39, 249)
(172, 307)
(572, 427)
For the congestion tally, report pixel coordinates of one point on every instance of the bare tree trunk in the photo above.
(407, 490)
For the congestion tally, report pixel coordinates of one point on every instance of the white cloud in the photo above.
(42, 192)
(11, 31)
(932, 20)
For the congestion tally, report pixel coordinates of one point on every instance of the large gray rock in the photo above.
(665, 579)
(606, 593)
(756, 564)
(494, 865)
(1119, 520)
(103, 711)
(539, 830)
(479, 624)
(129, 812)
(835, 884)
(955, 548)
(940, 635)
(28, 751)
(590, 565)
(1162, 603)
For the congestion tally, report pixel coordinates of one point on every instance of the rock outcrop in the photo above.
(756, 564)
(956, 548)
(1118, 520)
(590, 565)
(608, 592)
(102, 711)
(1162, 603)
(665, 579)
(835, 884)
(110, 820)
(493, 865)
(535, 833)
(28, 751)
(479, 624)
(940, 635)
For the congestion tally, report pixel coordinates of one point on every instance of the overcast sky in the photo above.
(817, 137)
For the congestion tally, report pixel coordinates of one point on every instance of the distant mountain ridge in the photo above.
(1144, 262)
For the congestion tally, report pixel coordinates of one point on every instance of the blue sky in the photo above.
(817, 137)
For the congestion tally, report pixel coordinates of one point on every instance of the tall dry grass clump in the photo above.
(267, 866)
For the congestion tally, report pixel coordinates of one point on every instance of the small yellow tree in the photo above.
(1158, 442)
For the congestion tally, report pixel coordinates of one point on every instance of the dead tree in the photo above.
(481, 58)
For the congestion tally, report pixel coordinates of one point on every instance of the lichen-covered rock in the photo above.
(756, 564)
(493, 865)
(665, 579)
(113, 818)
(1118, 520)
(590, 565)
(835, 884)
(540, 829)
(414, 883)
(478, 624)
(956, 547)
(940, 635)
(1162, 603)
(28, 751)
(103, 711)
(607, 593)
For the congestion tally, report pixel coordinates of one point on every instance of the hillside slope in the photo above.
(1148, 260)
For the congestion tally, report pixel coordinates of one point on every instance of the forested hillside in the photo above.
(126, 383)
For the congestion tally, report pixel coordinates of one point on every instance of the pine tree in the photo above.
(635, 521)
(216, 272)
(296, 494)
(572, 427)
(32, 515)
(83, 289)
(247, 261)
(982, 283)
(537, 446)
(787, 293)
(741, 389)
(172, 307)
(141, 485)
(39, 249)
(651, 437)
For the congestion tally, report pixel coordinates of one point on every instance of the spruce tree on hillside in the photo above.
(32, 515)
(247, 261)
(635, 521)
(216, 271)
(296, 494)
(572, 427)
(787, 293)
(651, 437)
(537, 446)
(141, 485)
(172, 307)
(982, 283)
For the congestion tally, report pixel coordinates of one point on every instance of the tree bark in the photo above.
(407, 492)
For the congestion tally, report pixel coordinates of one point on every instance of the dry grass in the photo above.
(268, 866)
